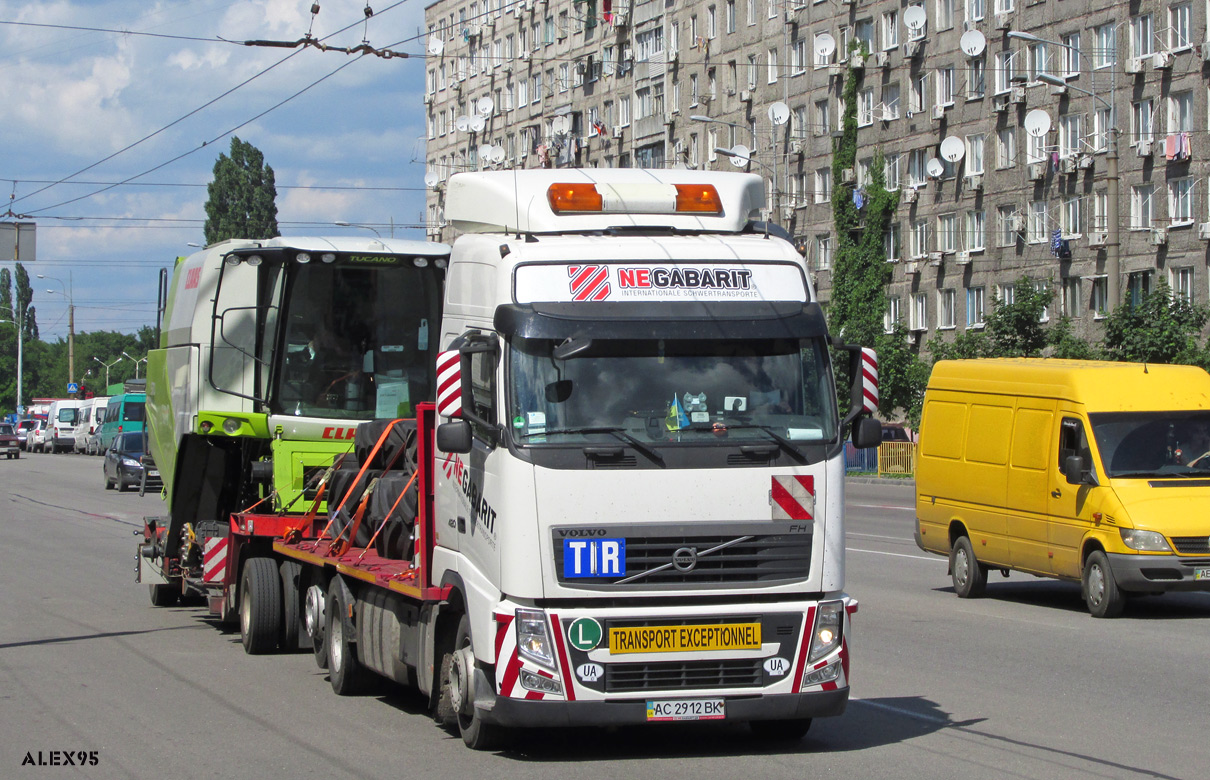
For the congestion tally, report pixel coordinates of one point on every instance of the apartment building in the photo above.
(996, 119)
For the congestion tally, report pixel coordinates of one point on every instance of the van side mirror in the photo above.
(454, 437)
(1075, 472)
(867, 432)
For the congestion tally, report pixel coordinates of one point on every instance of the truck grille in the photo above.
(1192, 545)
(683, 675)
(734, 554)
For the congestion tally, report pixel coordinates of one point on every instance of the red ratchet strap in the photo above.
(294, 533)
(369, 459)
(390, 512)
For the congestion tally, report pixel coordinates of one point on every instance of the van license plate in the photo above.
(1201, 574)
(686, 709)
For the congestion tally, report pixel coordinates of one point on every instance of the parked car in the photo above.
(10, 445)
(895, 432)
(123, 466)
(87, 422)
(61, 425)
(24, 427)
(94, 442)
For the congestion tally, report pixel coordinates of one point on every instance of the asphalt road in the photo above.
(1020, 684)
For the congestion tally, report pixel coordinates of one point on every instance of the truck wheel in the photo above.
(786, 730)
(292, 629)
(345, 672)
(970, 576)
(1101, 592)
(458, 684)
(259, 606)
(163, 595)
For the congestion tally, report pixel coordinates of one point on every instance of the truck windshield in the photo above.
(358, 341)
(1153, 444)
(671, 391)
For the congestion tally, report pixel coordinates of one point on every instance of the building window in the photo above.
(1005, 70)
(920, 239)
(975, 240)
(1035, 149)
(1180, 26)
(920, 312)
(1071, 55)
(823, 185)
(890, 102)
(1006, 226)
(1072, 217)
(1071, 134)
(752, 71)
(974, 154)
(974, 307)
(1102, 124)
(1181, 282)
(1105, 55)
(821, 59)
(976, 78)
(823, 252)
(1006, 147)
(1180, 112)
(1039, 61)
(1037, 222)
(974, 10)
(1070, 299)
(729, 16)
(1043, 286)
(772, 75)
(945, 308)
(890, 171)
(945, 14)
(823, 117)
(917, 162)
(865, 108)
(711, 23)
(1005, 6)
(798, 56)
(1142, 112)
(890, 242)
(1141, 213)
(947, 232)
(890, 318)
(1100, 296)
(1100, 210)
(918, 33)
(945, 86)
(890, 30)
(1180, 201)
(1142, 36)
(1006, 293)
(750, 12)
(1138, 286)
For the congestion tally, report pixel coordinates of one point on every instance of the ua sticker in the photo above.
(584, 634)
(777, 666)
(590, 672)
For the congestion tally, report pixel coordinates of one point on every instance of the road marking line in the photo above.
(884, 506)
(893, 555)
(908, 713)
(877, 536)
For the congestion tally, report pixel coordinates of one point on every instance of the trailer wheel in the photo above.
(345, 672)
(970, 576)
(314, 616)
(259, 606)
(292, 629)
(163, 595)
(787, 730)
(458, 688)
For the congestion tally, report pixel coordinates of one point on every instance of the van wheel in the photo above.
(260, 606)
(970, 576)
(458, 689)
(1101, 592)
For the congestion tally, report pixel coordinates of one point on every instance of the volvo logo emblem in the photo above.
(684, 559)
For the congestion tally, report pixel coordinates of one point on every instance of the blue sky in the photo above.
(350, 148)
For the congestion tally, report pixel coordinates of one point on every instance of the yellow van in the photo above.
(1092, 472)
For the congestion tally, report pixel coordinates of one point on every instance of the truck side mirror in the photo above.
(867, 432)
(454, 437)
(1073, 469)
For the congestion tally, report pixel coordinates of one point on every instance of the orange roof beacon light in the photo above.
(574, 197)
(700, 198)
(584, 197)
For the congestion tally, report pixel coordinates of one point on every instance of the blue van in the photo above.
(123, 414)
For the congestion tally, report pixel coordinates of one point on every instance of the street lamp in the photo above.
(19, 322)
(71, 323)
(136, 362)
(1113, 261)
(111, 365)
(342, 223)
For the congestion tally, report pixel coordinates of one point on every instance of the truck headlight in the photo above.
(828, 625)
(1144, 541)
(533, 638)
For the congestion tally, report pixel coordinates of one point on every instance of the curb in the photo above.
(896, 482)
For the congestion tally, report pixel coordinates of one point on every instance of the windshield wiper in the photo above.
(622, 435)
(788, 445)
(1142, 475)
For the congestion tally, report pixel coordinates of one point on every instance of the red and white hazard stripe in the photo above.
(214, 559)
(794, 497)
(869, 380)
(589, 282)
(449, 383)
(509, 664)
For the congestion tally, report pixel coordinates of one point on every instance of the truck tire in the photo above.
(163, 595)
(345, 671)
(293, 630)
(260, 606)
(458, 689)
(788, 730)
(1101, 592)
(315, 617)
(970, 576)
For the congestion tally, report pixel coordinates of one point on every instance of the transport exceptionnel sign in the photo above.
(596, 282)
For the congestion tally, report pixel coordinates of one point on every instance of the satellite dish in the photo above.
(477, 123)
(972, 43)
(485, 106)
(431, 179)
(953, 149)
(497, 154)
(560, 125)
(915, 17)
(436, 45)
(779, 113)
(462, 123)
(1037, 123)
(935, 168)
(825, 45)
(740, 155)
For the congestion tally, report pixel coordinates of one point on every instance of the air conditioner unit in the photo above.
(1203, 230)
(506, 68)
(524, 55)
(797, 146)
(1159, 236)
(1134, 65)
(1098, 238)
(745, 95)
(881, 59)
(1017, 223)
(432, 232)
(1017, 95)
(935, 258)
(910, 195)
(1085, 161)
(1143, 148)
(938, 112)
(787, 212)
(428, 100)
(1000, 103)
(912, 267)
(847, 176)
(1037, 171)
(672, 57)
(835, 69)
(963, 257)
(974, 181)
(669, 118)
(1058, 89)
(1161, 59)
(1205, 49)
(856, 60)
(1067, 164)
(619, 19)
(911, 49)
(1003, 21)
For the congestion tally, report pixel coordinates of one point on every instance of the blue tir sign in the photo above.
(594, 557)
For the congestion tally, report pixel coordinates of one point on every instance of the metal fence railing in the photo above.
(897, 457)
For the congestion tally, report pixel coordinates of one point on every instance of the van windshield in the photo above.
(1153, 444)
(671, 391)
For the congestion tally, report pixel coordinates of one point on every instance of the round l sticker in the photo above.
(584, 634)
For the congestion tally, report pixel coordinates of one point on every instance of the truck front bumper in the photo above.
(1154, 573)
(525, 713)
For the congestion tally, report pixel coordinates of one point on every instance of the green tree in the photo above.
(1016, 329)
(1162, 328)
(902, 376)
(242, 196)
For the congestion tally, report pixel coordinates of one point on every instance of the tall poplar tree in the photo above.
(242, 202)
